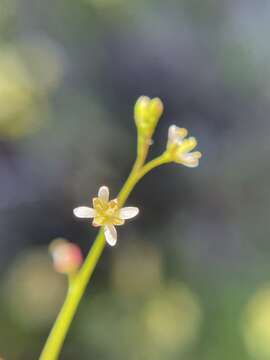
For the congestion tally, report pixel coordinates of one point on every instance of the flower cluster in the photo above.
(147, 112)
(107, 214)
(179, 148)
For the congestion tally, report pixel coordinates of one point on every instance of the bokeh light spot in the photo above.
(33, 291)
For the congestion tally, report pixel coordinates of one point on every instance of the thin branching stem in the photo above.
(79, 282)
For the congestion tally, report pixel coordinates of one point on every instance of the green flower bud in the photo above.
(147, 112)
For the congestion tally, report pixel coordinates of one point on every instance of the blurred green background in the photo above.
(190, 278)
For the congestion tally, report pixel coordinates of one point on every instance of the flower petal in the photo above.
(84, 212)
(103, 193)
(176, 134)
(128, 212)
(172, 132)
(110, 234)
(191, 159)
(188, 145)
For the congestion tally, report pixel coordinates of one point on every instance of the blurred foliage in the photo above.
(117, 327)
(184, 283)
(24, 86)
(256, 324)
(26, 289)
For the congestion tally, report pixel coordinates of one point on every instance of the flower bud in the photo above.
(179, 148)
(147, 112)
(67, 257)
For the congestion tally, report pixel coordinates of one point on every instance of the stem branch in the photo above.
(79, 282)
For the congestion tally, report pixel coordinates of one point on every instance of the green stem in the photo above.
(143, 144)
(133, 179)
(60, 328)
(78, 284)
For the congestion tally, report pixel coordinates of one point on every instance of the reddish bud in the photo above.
(67, 257)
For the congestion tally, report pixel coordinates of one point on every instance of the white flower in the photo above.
(106, 213)
(180, 149)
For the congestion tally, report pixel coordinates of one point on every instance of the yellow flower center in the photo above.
(106, 212)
